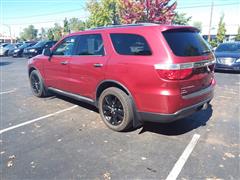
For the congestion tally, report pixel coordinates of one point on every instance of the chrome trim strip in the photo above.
(184, 65)
(74, 96)
(199, 93)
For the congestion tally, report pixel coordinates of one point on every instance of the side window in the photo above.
(90, 45)
(130, 44)
(65, 48)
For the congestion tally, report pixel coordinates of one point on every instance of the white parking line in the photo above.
(183, 158)
(7, 92)
(37, 119)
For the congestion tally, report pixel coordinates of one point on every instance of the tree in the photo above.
(29, 33)
(50, 34)
(237, 38)
(76, 25)
(43, 34)
(102, 13)
(153, 11)
(66, 29)
(57, 31)
(198, 25)
(221, 30)
(181, 19)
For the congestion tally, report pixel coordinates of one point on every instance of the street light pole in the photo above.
(210, 23)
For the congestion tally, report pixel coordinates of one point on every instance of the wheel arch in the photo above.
(112, 83)
(30, 70)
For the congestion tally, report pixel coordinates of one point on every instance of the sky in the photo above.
(18, 14)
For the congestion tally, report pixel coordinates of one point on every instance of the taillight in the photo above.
(175, 74)
(183, 70)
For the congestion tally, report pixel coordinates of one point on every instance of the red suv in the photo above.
(131, 73)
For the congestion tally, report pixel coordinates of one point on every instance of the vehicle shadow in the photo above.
(73, 101)
(180, 126)
(5, 63)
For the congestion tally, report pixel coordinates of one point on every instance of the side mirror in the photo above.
(47, 52)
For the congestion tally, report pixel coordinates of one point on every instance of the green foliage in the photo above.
(237, 38)
(50, 35)
(66, 29)
(29, 33)
(102, 13)
(181, 19)
(43, 33)
(213, 43)
(57, 31)
(76, 25)
(198, 25)
(221, 30)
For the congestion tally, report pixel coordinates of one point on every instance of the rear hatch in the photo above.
(192, 63)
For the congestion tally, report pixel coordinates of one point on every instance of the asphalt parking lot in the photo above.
(58, 138)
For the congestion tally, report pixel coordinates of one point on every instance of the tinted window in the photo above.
(130, 44)
(39, 44)
(65, 48)
(91, 44)
(231, 47)
(186, 43)
(50, 44)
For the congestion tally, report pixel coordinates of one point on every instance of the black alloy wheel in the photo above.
(113, 110)
(116, 109)
(37, 85)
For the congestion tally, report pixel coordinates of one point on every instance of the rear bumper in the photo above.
(167, 118)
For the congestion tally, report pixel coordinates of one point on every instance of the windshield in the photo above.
(231, 47)
(39, 44)
(185, 42)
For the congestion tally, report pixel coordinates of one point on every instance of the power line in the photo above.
(53, 13)
(186, 7)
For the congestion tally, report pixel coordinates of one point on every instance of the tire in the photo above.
(37, 85)
(116, 109)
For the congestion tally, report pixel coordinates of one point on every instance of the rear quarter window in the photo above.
(185, 42)
(130, 44)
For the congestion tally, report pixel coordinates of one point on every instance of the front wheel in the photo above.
(116, 109)
(37, 85)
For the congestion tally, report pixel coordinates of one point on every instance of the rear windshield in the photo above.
(186, 43)
(130, 44)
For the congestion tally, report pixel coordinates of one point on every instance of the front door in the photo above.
(57, 68)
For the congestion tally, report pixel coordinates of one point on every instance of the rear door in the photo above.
(57, 68)
(88, 65)
(189, 47)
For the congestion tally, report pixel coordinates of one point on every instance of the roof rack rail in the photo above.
(124, 25)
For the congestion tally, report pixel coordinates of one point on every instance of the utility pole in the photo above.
(210, 23)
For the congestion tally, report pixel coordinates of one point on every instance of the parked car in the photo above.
(37, 48)
(3, 44)
(19, 51)
(5, 49)
(131, 73)
(17, 45)
(228, 56)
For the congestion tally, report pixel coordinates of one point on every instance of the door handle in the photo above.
(64, 62)
(98, 65)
